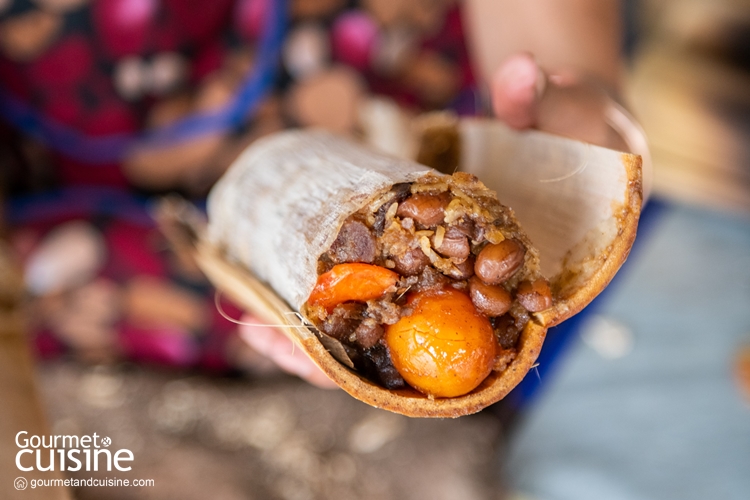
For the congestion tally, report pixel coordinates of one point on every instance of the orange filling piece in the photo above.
(445, 348)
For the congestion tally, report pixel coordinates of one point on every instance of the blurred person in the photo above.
(112, 101)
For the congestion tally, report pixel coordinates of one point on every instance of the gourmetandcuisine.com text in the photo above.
(77, 483)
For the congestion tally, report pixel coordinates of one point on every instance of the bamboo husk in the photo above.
(579, 204)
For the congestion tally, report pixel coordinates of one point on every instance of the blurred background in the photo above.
(107, 326)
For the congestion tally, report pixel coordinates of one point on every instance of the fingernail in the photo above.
(519, 73)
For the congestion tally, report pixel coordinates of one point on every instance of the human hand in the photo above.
(562, 103)
(270, 342)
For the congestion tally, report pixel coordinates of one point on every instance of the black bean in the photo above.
(386, 372)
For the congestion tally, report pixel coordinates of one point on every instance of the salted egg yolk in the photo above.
(445, 347)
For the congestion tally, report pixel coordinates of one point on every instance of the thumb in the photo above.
(517, 89)
(523, 96)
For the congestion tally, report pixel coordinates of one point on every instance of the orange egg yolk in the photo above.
(445, 348)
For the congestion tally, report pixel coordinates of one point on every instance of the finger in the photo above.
(295, 361)
(298, 363)
(524, 96)
(273, 344)
(260, 338)
(577, 110)
(517, 88)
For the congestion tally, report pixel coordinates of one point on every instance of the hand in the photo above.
(562, 103)
(270, 342)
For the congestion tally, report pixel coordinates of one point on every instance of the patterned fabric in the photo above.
(99, 74)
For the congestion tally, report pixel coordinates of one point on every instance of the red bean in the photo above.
(498, 262)
(534, 296)
(454, 244)
(464, 270)
(464, 226)
(490, 300)
(426, 209)
(411, 262)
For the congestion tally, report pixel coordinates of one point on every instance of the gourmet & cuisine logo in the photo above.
(69, 453)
